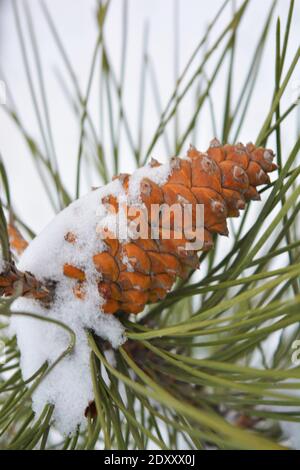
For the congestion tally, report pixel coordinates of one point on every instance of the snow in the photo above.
(157, 174)
(292, 432)
(73, 237)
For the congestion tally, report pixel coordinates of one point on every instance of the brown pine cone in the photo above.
(141, 271)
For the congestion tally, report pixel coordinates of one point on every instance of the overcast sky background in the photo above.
(76, 23)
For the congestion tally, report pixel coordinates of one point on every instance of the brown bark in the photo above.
(14, 282)
(16, 241)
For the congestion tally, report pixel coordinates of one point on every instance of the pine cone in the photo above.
(223, 179)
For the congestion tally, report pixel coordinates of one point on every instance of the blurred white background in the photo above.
(76, 23)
